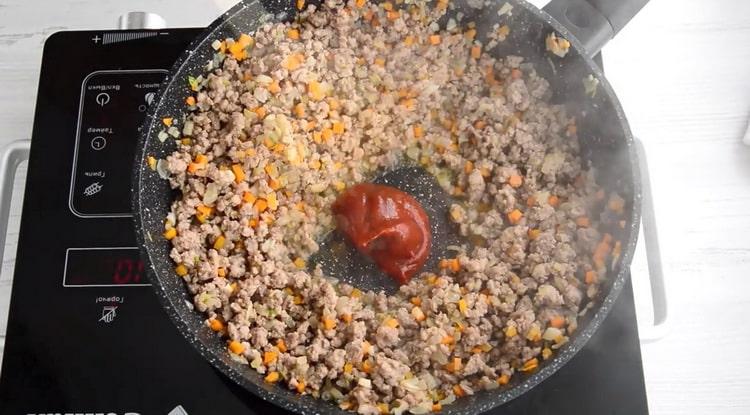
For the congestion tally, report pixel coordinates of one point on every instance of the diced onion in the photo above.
(552, 333)
(212, 193)
(162, 169)
(365, 383)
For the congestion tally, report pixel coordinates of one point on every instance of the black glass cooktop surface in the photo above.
(87, 336)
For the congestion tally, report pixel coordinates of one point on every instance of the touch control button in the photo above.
(98, 143)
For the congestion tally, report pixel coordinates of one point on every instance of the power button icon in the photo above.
(102, 99)
(98, 143)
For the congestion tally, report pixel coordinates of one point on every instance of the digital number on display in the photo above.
(103, 267)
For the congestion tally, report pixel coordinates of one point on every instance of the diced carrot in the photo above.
(239, 174)
(503, 380)
(216, 325)
(454, 365)
(328, 323)
(300, 4)
(236, 347)
(327, 134)
(436, 407)
(245, 40)
(170, 234)
(269, 357)
(468, 167)
(360, 3)
(409, 40)
(418, 130)
(448, 340)
(476, 51)
(511, 331)
(553, 201)
(221, 272)
(356, 293)
(366, 347)
(515, 181)
(260, 112)
(451, 264)
(274, 87)
(462, 306)
(292, 62)
(590, 277)
(616, 205)
(530, 365)
(583, 221)
(479, 124)
(292, 34)
(407, 103)
(274, 184)
(300, 384)
(219, 242)
(248, 197)
(204, 210)
(338, 127)
(434, 39)
(418, 314)
(300, 263)
(181, 270)
(392, 15)
(190, 100)
(201, 159)
(347, 405)
(557, 321)
(167, 121)
(534, 233)
(470, 34)
(417, 301)
(366, 366)
(515, 216)
(346, 318)
(458, 391)
(261, 205)
(348, 367)
(391, 322)
(273, 377)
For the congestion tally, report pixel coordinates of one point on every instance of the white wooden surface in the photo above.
(681, 70)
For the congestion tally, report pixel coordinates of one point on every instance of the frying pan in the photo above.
(605, 140)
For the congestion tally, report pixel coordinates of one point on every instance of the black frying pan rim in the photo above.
(286, 399)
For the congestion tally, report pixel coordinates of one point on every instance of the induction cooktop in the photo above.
(86, 334)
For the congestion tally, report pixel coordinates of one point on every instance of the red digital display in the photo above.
(103, 267)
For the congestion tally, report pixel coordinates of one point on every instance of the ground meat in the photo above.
(287, 120)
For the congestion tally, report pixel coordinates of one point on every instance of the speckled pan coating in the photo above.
(606, 142)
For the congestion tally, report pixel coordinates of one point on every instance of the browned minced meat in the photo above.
(285, 130)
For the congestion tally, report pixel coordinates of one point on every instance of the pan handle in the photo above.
(658, 327)
(594, 22)
(13, 154)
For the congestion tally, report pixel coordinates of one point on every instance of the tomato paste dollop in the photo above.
(387, 225)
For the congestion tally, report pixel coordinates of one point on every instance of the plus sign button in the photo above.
(98, 143)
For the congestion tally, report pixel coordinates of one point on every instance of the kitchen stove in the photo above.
(86, 335)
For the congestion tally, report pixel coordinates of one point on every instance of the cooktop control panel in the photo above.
(111, 110)
(86, 334)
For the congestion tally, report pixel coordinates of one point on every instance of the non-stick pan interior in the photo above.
(604, 135)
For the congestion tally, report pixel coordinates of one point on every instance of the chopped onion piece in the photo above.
(162, 169)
